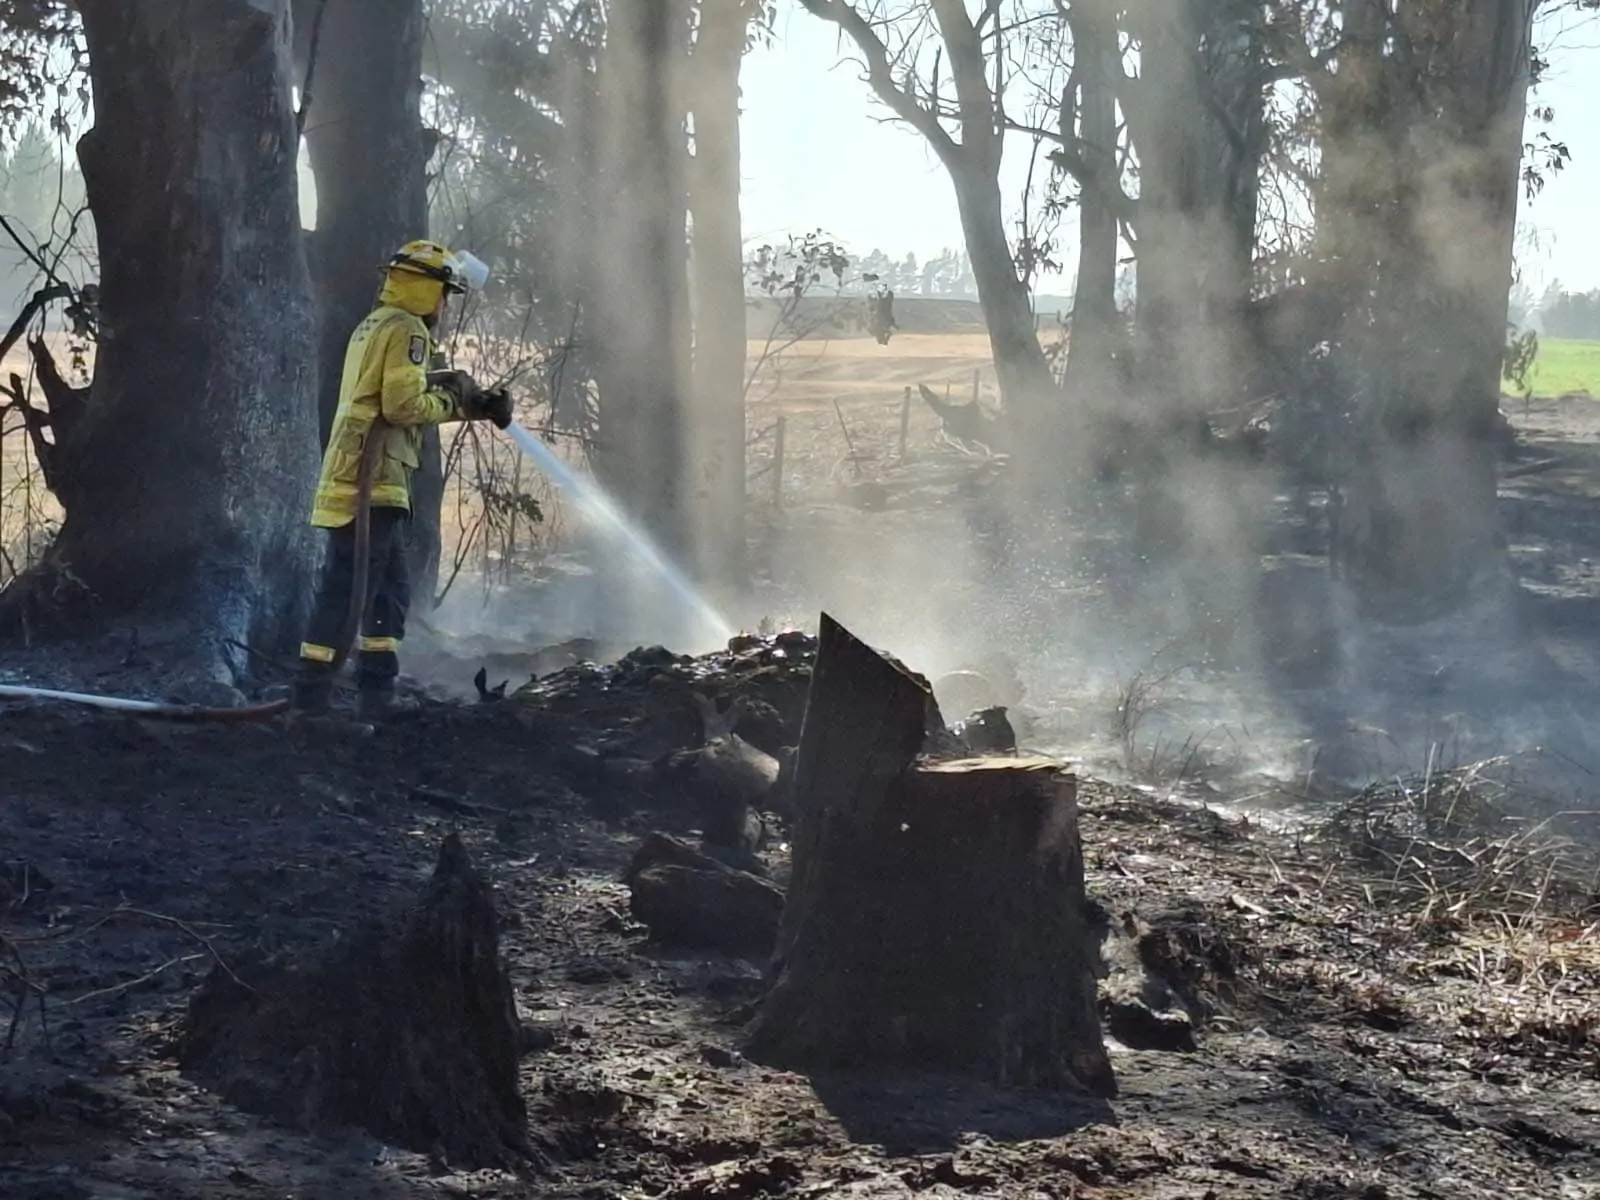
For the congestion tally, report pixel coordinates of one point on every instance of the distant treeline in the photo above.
(1564, 314)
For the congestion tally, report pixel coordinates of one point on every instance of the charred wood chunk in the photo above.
(692, 900)
(936, 913)
(407, 1029)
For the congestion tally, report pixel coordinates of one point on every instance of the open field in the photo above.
(1565, 366)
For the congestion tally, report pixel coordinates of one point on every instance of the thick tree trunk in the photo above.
(642, 285)
(197, 453)
(361, 69)
(1419, 534)
(717, 424)
(935, 917)
(1194, 114)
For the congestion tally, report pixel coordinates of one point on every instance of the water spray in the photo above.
(592, 499)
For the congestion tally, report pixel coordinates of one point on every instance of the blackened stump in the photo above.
(407, 1029)
(935, 917)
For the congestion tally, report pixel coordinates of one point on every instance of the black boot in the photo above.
(376, 705)
(313, 693)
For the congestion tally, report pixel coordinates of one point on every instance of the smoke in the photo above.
(1276, 495)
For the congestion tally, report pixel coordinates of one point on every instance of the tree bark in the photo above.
(197, 453)
(1026, 386)
(935, 916)
(717, 418)
(361, 74)
(1195, 115)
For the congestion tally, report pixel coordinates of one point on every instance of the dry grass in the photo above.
(1475, 879)
(1479, 838)
(1498, 972)
(1159, 761)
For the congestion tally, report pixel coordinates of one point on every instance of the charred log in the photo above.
(728, 781)
(690, 899)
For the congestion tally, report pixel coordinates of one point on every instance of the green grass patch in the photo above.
(1564, 366)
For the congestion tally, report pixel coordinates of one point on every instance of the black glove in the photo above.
(492, 405)
(458, 383)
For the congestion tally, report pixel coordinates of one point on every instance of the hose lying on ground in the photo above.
(156, 710)
(148, 708)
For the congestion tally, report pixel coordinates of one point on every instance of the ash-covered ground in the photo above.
(1395, 1000)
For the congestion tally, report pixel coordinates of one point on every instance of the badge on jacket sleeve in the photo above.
(419, 350)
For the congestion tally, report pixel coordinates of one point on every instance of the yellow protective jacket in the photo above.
(385, 371)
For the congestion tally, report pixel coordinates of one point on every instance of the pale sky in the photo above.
(819, 153)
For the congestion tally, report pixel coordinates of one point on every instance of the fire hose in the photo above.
(257, 712)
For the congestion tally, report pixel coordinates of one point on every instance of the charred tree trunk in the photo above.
(717, 427)
(1420, 534)
(361, 73)
(1195, 118)
(935, 916)
(197, 452)
(407, 1029)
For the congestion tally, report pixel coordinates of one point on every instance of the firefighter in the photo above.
(386, 374)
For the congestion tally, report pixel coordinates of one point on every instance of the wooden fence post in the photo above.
(778, 432)
(905, 423)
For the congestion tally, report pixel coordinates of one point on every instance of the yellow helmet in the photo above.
(457, 272)
(421, 272)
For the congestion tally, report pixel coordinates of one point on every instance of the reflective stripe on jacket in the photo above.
(385, 371)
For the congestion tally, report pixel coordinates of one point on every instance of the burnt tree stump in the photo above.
(407, 1029)
(936, 911)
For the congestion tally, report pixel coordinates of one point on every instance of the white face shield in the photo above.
(470, 269)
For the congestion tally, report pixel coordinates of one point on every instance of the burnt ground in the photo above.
(1359, 1033)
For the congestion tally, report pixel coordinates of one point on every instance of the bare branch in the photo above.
(970, 72)
(880, 71)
